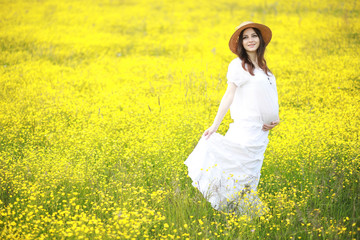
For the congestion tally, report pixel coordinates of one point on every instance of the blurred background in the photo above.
(102, 101)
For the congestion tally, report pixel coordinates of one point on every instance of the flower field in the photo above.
(102, 101)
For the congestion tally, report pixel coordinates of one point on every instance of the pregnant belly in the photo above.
(270, 117)
(268, 105)
(270, 113)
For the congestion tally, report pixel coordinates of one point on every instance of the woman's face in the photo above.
(250, 40)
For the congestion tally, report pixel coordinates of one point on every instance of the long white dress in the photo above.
(226, 169)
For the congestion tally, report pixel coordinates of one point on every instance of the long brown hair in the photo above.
(242, 54)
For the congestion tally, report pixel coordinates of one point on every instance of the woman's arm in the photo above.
(223, 108)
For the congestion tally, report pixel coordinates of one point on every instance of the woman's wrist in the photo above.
(215, 126)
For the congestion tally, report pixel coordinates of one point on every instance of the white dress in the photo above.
(226, 169)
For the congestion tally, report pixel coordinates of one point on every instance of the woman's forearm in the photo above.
(224, 105)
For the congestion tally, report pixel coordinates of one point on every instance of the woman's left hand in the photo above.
(267, 127)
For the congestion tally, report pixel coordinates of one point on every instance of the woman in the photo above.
(226, 169)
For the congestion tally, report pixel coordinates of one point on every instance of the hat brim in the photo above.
(265, 32)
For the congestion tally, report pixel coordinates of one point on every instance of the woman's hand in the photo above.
(210, 131)
(267, 127)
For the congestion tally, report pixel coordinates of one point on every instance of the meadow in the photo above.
(101, 102)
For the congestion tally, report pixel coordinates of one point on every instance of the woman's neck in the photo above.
(253, 58)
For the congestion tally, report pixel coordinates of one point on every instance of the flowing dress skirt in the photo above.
(226, 169)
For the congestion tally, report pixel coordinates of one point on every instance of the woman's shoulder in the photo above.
(236, 72)
(236, 61)
(270, 74)
(236, 64)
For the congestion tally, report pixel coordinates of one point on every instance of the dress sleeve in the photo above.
(236, 74)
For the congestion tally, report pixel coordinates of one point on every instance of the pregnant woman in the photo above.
(226, 169)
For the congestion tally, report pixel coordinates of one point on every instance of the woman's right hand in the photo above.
(210, 131)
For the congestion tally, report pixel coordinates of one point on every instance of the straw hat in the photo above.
(265, 32)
